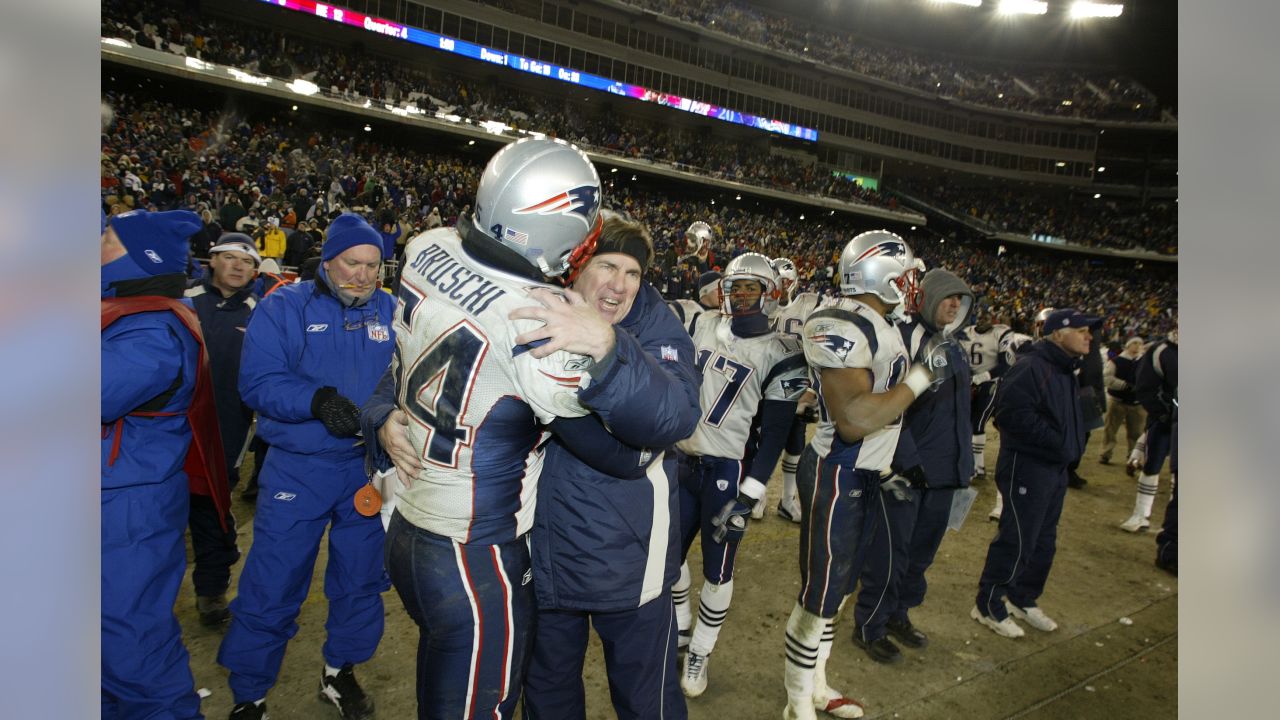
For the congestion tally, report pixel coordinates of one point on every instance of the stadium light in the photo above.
(1102, 168)
(970, 3)
(1084, 9)
(1023, 7)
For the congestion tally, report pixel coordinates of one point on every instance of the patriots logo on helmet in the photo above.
(886, 248)
(582, 201)
(836, 344)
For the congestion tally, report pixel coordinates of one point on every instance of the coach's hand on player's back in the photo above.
(569, 324)
(394, 438)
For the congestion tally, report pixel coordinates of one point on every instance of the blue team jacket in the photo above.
(593, 541)
(148, 362)
(300, 339)
(1036, 409)
(936, 434)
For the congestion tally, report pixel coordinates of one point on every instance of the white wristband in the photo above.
(918, 380)
(752, 488)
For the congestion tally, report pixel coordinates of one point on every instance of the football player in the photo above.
(708, 298)
(793, 310)
(864, 380)
(747, 368)
(982, 344)
(472, 387)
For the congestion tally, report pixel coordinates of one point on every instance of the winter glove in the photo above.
(935, 358)
(915, 475)
(340, 416)
(731, 522)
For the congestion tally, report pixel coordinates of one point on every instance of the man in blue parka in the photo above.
(313, 352)
(1041, 434)
(150, 358)
(604, 546)
(934, 457)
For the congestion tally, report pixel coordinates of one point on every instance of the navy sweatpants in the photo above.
(933, 511)
(1021, 555)
(887, 543)
(639, 656)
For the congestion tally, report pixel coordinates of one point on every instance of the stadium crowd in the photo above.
(1053, 91)
(269, 175)
(355, 76)
(1079, 219)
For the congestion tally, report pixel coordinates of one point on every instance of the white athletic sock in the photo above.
(804, 636)
(824, 651)
(1147, 486)
(713, 606)
(680, 594)
(979, 453)
(331, 671)
(789, 464)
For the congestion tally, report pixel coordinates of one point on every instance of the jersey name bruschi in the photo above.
(983, 349)
(474, 399)
(849, 334)
(737, 374)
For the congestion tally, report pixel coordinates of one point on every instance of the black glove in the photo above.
(898, 487)
(731, 522)
(340, 416)
(935, 357)
(916, 475)
(809, 414)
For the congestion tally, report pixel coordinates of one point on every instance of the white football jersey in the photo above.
(789, 320)
(737, 375)
(849, 334)
(474, 398)
(686, 310)
(983, 349)
(1010, 343)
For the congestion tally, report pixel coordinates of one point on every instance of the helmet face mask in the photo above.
(752, 267)
(541, 199)
(881, 263)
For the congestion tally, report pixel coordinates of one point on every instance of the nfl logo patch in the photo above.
(669, 353)
(379, 333)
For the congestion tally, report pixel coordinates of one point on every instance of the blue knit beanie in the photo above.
(157, 242)
(347, 231)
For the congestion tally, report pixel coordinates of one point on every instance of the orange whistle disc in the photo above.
(368, 501)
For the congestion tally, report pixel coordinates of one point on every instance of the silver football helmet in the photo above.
(787, 276)
(1041, 318)
(881, 263)
(541, 198)
(698, 236)
(750, 266)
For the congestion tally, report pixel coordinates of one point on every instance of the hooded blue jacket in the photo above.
(936, 434)
(300, 339)
(1037, 412)
(609, 539)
